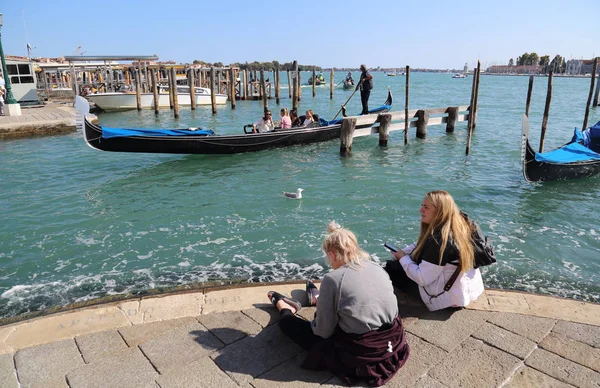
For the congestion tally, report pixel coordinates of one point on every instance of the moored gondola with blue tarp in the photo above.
(578, 158)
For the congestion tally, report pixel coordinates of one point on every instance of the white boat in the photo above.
(459, 75)
(125, 101)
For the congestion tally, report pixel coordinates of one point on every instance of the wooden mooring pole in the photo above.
(529, 92)
(289, 85)
(385, 119)
(154, 90)
(471, 109)
(346, 135)
(138, 88)
(263, 88)
(314, 82)
(175, 95)
(232, 87)
(331, 83)
(546, 112)
(171, 87)
(244, 85)
(213, 95)
(587, 107)
(452, 118)
(295, 86)
(422, 120)
(299, 80)
(476, 103)
(190, 74)
(277, 86)
(406, 105)
(595, 103)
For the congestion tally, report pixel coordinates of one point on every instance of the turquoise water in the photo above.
(80, 224)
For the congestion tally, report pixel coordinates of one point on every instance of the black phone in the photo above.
(390, 247)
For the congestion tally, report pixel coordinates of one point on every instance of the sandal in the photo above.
(312, 292)
(276, 297)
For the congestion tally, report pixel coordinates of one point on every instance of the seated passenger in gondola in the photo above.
(294, 118)
(308, 119)
(286, 121)
(265, 124)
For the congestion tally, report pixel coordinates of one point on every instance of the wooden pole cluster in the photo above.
(587, 107)
(529, 92)
(546, 112)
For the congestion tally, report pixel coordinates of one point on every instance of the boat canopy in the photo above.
(572, 152)
(108, 133)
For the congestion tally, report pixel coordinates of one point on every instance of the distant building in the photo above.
(521, 69)
(579, 66)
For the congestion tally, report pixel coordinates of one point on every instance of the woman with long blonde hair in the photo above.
(356, 332)
(443, 252)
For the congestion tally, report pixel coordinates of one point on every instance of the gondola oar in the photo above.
(344, 104)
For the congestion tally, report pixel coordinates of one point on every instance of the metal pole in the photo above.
(10, 99)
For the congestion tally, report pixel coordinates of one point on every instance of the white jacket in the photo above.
(432, 278)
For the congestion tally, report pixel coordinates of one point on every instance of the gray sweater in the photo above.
(357, 299)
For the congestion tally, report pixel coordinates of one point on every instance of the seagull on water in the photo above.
(296, 195)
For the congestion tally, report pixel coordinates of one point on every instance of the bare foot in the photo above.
(281, 304)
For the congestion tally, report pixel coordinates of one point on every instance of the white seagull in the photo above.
(296, 195)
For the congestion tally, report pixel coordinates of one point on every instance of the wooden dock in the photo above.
(384, 123)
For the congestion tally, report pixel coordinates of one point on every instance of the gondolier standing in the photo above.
(365, 84)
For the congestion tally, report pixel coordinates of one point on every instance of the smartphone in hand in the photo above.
(390, 247)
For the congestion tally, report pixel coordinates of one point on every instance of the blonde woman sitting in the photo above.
(356, 332)
(444, 243)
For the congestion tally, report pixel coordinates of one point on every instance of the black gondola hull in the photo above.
(208, 144)
(535, 171)
(227, 144)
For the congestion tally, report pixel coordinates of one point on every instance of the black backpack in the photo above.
(484, 250)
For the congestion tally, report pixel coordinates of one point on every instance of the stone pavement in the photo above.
(228, 338)
(48, 119)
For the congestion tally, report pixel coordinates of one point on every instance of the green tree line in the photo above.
(267, 66)
(558, 64)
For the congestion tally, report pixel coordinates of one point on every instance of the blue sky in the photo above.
(431, 34)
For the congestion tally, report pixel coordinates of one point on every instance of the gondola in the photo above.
(191, 141)
(578, 158)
